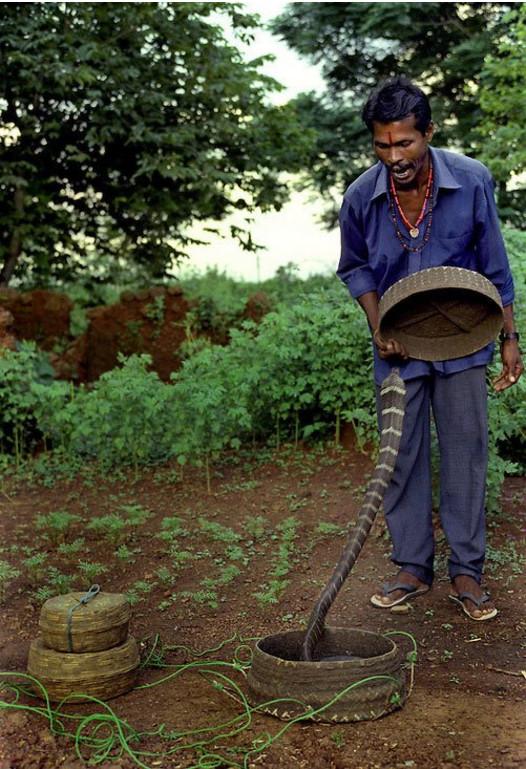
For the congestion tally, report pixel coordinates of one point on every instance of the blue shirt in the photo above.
(464, 232)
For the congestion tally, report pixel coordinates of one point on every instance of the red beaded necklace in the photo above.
(413, 228)
(427, 210)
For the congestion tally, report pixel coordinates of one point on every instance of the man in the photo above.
(420, 207)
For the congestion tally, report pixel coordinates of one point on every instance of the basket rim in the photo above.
(445, 347)
(333, 664)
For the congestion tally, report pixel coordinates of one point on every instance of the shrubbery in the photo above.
(297, 374)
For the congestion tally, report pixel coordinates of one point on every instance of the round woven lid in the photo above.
(105, 610)
(441, 313)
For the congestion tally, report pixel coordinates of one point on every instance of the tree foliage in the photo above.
(502, 98)
(441, 46)
(123, 123)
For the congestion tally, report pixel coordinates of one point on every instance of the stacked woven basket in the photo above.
(84, 648)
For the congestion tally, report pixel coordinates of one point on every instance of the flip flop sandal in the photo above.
(411, 591)
(484, 598)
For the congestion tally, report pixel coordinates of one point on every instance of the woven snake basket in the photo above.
(281, 685)
(104, 674)
(68, 625)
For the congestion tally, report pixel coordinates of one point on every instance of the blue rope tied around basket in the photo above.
(92, 592)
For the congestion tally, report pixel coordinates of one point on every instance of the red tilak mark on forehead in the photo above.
(390, 137)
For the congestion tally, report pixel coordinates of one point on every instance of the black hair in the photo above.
(395, 99)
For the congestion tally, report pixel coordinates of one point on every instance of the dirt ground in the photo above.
(468, 705)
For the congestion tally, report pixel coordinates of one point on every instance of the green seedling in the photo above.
(59, 582)
(172, 527)
(165, 576)
(135, 515)
(217, 532)
(207, 597)
(256, 527)
(56, 525)
(273, 589)
(71, 549)
(91, 572)
(138, 590)
(35, 566)
(112, 527)
(8, 573)
(124, 553)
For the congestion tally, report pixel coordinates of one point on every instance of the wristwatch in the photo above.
(505, 336)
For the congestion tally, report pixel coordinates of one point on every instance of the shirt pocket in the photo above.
(458, 251)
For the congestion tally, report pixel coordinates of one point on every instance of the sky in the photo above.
(294, 233)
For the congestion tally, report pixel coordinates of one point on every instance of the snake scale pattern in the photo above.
(392, 399)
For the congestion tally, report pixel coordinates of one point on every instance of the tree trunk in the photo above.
(15, 244)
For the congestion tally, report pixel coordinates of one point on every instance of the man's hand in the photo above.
(512, 367)
(389, 348)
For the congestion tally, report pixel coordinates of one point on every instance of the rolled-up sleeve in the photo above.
(491, 251)
(353, 268)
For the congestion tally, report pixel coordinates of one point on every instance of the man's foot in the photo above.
(405, 587)
(472, 599)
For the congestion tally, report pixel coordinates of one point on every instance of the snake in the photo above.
(392, 400)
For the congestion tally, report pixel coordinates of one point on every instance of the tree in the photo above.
(503, 123)
(123, 123)
(440, 45)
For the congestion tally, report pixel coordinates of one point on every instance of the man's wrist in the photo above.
(509, 336)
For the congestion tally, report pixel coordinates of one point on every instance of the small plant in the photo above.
(217, 532)
(135, 515)
(124, 553)
(255, 527)
(241, 486)
(273, 589)
(181, 557)
(505, 556)
(71, 549)
(172, 527)
(112, 527)
(236, 553)
(91, 572)
(138, 590)
(43, 593)
(208, 597)
(164, 575)
(7, 574)
(327, 529)
(338, 738)
(56, 524)
(35, 566)
(226, 575)
(59, 582)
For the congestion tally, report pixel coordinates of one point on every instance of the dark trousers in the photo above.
(459, 406)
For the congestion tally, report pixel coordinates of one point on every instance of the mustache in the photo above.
(400, 169)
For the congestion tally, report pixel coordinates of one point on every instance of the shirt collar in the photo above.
(443, 176)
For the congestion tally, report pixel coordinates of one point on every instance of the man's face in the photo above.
(403, 149)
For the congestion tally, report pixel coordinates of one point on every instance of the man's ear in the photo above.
(430, 131)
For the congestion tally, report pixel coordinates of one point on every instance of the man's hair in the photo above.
(395, 99)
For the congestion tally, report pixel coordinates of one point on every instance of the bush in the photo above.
(306, 366)
(19, 372)
(126, 418)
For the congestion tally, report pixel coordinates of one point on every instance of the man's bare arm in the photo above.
(386, 347)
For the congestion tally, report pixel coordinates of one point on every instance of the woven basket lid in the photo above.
(441, 313)
(67, 624)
